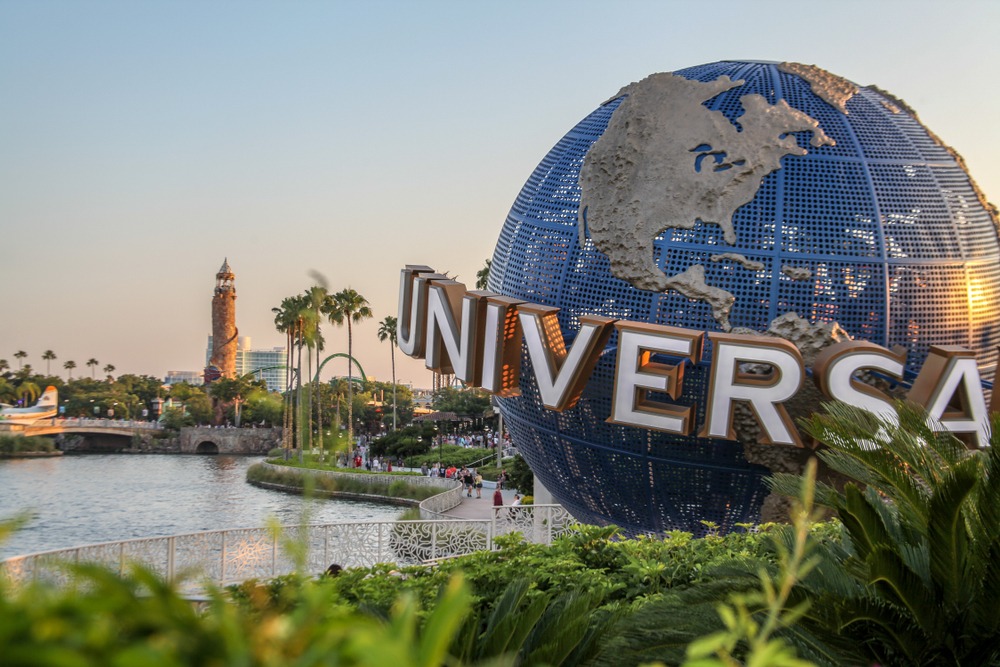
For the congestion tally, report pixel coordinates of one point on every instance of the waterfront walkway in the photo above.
(479, 508)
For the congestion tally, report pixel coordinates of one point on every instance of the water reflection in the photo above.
(77, 500)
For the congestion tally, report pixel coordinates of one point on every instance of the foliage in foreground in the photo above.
(140, 620)
(916, 578)
(909, 577)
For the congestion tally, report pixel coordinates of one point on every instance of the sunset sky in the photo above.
(141, 143)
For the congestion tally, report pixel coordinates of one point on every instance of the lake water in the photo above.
(84, 499)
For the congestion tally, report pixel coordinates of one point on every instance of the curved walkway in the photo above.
(479, 508)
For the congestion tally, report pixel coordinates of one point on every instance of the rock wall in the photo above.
(195, 440)
(207, 440)
(144, 443)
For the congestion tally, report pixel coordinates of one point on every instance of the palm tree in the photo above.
(7, 390)
(314, 299)
(483, 275)
(288, 320)
(387, 330)
(915, 577)
(348, 306)
(69, 366)
(48, 356)
(28, 392)
(4, 365)
(92, 363)
(109, 369)
(20, 355)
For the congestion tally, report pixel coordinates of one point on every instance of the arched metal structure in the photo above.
(360, 380)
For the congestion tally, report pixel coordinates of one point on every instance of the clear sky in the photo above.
(141, 143)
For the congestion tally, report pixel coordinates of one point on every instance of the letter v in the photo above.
(561, 375)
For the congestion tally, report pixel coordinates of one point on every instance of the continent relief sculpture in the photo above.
(477, 336)
(645, 174)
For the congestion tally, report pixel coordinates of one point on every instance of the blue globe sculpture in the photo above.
(843, 208)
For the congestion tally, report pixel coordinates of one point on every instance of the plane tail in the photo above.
(49, 399)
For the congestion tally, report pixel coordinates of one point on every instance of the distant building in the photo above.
(248, 360)
(221, 359)
(194, 378)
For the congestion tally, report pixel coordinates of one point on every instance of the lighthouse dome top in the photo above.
(225, 269)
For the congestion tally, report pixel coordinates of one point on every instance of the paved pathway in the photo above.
(479, 508)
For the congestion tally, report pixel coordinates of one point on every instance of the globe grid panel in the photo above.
(912, 231)
(885, 217)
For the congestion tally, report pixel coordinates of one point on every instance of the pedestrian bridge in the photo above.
(57, 426)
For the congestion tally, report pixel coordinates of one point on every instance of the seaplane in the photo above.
(46, 407)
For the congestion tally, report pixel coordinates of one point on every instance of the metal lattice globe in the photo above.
(864, 218)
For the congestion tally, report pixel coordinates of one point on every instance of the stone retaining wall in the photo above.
(206, 440)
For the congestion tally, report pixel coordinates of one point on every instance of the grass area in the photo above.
(312, 462)
(362, 483)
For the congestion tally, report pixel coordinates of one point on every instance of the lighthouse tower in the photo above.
(224, 331)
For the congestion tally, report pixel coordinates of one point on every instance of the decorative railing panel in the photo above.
(230, 556)
(538, 523)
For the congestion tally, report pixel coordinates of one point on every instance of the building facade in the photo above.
(266, 364)
(193, 378)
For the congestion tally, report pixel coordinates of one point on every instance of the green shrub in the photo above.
(19, 444)
(347, 482)
(450, 455)
(141, 620)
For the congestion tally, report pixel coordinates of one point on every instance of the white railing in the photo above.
(85, 422)
(230, 556)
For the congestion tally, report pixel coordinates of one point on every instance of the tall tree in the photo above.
(387, 331)
(93, 363)
(4, 365)
(235, 391)
(109, 369)
(28, 392)
(483, 275)
(314, 298)
(48, 356)
(20, 355)
(69, 366)
(290, 316)
(7, 390)
(350, 307)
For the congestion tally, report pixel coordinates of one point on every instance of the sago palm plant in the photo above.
(915, 579)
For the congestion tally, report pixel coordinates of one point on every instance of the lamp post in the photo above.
(157, 407)
(440, 446)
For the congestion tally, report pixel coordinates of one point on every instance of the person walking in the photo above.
(479, 485)
(498, 498)
(468, 480)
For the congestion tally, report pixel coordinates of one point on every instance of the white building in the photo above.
(269, 362)
(193, 378)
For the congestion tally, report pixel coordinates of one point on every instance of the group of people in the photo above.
(470, 478)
